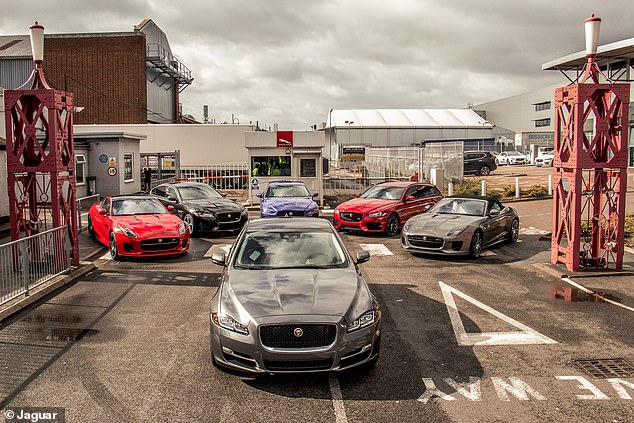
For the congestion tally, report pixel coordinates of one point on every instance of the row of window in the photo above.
(281, 166)
(80, 168)
(545, 105)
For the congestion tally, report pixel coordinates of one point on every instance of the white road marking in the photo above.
(376, 249)
(533, 231)
(327, 211)
(106, 256)
(224, 247)
(337, 399)
(628, 249)
(518, 388)
(587, 291)
(586, 385)
(525, 336)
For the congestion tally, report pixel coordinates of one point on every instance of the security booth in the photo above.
(285, 155)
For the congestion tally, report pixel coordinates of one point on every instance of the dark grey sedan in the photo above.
(292, 299)
(461, 225)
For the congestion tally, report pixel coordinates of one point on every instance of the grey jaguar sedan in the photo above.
(291, 300)
(461, 225)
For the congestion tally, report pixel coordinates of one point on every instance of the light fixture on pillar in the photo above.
(593, 28)
(36, 33)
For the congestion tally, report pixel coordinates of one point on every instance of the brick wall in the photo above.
(105, 73)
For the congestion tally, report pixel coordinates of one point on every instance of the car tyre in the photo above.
(514, 231)
(392, 224)
(114, 252)
(91, 229)
(190, 223)
(485, 171)
(475, 249)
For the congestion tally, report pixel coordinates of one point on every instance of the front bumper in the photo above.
(366, 224)
(447, 245)
(154, 247)
(211, 223)
(292, 213)
(247, 354)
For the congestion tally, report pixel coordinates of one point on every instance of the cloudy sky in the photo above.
(290, 61)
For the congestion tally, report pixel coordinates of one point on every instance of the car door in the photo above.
(495, 223)
(173, 199)
(470, 163)
(409, 207)
(102, 223)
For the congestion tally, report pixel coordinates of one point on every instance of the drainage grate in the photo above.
(603, 368)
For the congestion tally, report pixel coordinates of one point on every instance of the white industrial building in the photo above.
(405, 128)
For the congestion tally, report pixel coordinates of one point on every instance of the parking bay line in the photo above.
(587, 291)
(224, 247)
(337, 399)
(376, 249)
(525, 336)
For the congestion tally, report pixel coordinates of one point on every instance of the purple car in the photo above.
(287, 198)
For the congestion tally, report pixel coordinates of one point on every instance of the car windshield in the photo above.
(466, 206)
(514, 153)
(198, 192)
(290, 250)
(287, 191)
(387, 193)
(132, 206)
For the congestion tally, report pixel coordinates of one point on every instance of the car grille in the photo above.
(159, 244)
(290, 213)
(283, 336)
(298, 365)
(425, 241)
(228, 217)
(351, 217)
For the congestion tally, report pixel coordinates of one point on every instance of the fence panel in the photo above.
(29, 262)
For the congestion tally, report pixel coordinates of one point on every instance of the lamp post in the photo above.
(349, 122)
(484, 123)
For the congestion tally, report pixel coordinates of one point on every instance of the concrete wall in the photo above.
(198, 144)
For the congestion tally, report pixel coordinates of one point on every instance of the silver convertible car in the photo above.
(461, 225)
(291, 299)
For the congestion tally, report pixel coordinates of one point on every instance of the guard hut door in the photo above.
(307, 167)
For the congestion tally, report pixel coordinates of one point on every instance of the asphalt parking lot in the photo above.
(463, 341)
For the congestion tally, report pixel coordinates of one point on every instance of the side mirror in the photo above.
(219, 259)
(494, 213)
(172, 199)
(259, 195)
(358, 194)
(363, 256)
(409, 198)
(170, 208)
(314, 194)
(103, 212)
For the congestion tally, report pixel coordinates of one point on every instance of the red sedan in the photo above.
(135, 226)
(386, 207)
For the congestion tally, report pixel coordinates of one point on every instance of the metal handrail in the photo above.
(31, 261)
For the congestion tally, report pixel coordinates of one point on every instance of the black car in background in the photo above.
(479, 162)
(202, 208)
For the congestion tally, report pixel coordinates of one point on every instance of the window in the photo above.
(271, 166)
(307, 168)
(80, 169)
(545, 105)
(542, 122)
(127, 167)
(171, 193)
(160, 191)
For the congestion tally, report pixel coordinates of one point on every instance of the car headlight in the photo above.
(182, 228)
(377, 214)
(407, 226)
(365, 320)
(128, 232)
(227, 322)
(269, 210)
(457, 231)
(336, 213)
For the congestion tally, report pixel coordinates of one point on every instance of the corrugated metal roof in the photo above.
(15, 46)
(406, 118)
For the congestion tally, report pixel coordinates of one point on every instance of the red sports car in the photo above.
(137, 225)
(386, 207)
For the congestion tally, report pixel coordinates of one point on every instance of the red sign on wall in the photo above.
(285, 139)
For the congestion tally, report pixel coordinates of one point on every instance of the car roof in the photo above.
(486, 198)
(402, 183)
(133, 197)
(185, 184)
(286, 183)
(274, 223)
